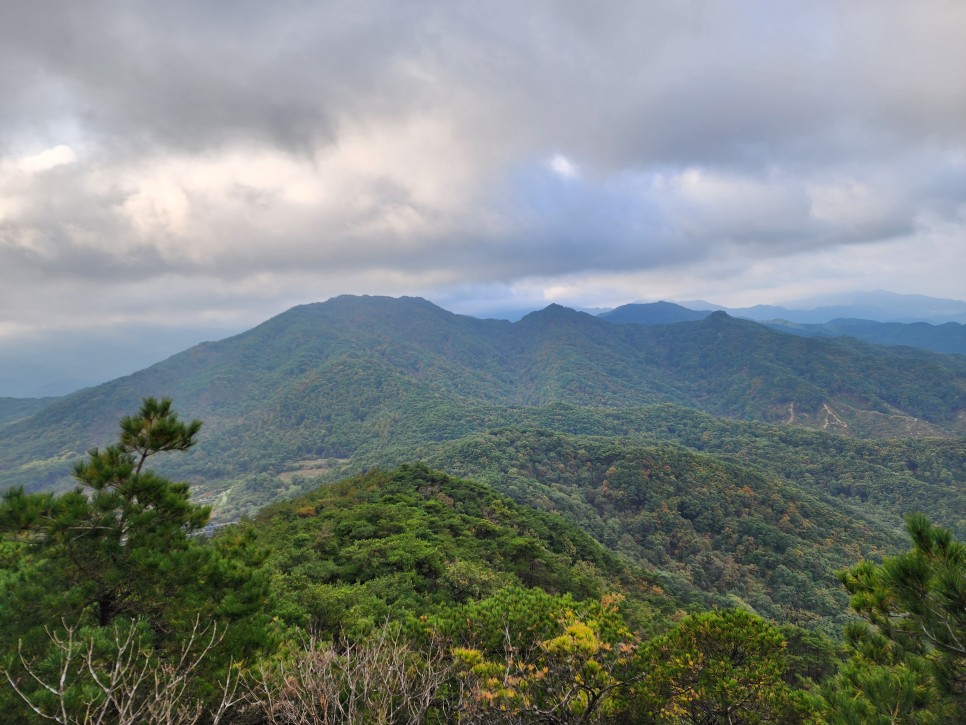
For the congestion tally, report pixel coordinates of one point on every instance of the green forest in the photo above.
(412, 596)
(374, 510)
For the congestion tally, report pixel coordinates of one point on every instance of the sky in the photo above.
(201, 164)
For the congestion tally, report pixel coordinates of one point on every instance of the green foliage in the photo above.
(567, 415)
(331, 380)
(411, 539)
(722, 529)
(719, 667)
(450, 599)
(524, 655)
(112, 544)
(120, 549)
(909, 655)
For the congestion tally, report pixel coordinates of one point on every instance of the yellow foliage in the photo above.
(579, 638)
(467, 657)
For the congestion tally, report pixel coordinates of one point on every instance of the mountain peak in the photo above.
(557, 313)
(550, 311)
(652, 313)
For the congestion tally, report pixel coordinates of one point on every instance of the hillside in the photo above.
(561, 413)
(411, 539)
(325, 383)
(12, 409)
(724, 529)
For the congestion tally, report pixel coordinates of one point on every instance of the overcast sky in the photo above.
(213, 163)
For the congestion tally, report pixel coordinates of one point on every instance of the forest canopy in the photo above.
(412, 596)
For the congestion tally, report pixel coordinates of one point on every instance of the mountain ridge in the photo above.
(326, 378)
(746, 446)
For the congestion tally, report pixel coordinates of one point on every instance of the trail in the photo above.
(830, 413)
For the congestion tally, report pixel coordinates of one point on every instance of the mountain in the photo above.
(654, 313)
(874, 306)
(949, 337)
(323, 382)
(884, 306)
(411, 539)
(732, 462)
(686, 515)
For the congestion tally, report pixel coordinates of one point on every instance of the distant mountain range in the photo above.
(62, 363)
(328, 379)
(873, 306)
(674, 444)
(949, 337)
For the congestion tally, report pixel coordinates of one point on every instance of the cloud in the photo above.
(49, 159)
(251, 154)
(563, 166)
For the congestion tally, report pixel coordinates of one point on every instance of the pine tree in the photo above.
(117, 555)
(908, 660)
(719, 667)
(121, 537)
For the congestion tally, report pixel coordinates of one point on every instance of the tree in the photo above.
(113, 544)
(383, 677)
(110, 675)
(525, 656)
(120, 551)
(908, 660)
(719, 667)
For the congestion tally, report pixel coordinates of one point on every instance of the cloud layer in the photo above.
(215, 162)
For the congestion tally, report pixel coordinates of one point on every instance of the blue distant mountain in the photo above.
(948, 337)
(874, 306)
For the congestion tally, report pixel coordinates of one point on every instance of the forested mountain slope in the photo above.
(723, 528)
(327, 382)
(411, 591)
(711, 462)
(12, 409)
(411, 539)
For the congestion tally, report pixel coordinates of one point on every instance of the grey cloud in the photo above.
(822, 126)
(618, 83)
